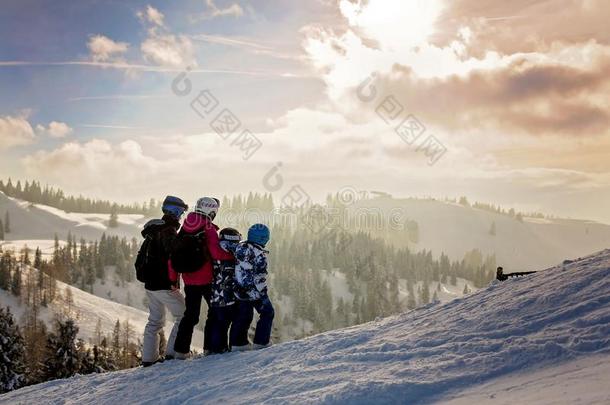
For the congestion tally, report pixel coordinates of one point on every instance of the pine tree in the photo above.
(103, 357)
(1, 230)
(38, 259)
(492, 229)
(97, 334)
(425, 293)
(7, 223)
(16, 282)
(25, 256)
(116, 341)
(86, 359)
(113, 222)
(12, 349)
(64, 359)
(35, 336)
(5, 271)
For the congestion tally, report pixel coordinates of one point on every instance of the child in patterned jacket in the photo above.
(251, 291)
(223, 295)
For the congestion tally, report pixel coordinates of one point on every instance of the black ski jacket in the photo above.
(164, 233)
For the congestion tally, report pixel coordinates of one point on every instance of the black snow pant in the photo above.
(192, 296)
(222, 317)
(244, 313)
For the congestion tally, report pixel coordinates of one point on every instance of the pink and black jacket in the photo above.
(193, 224)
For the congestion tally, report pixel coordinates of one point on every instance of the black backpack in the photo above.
(190, 252)
(149, 261)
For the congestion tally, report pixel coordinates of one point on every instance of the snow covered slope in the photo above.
(552, 328)
(518, 245)
(87, 309)
(35, 221)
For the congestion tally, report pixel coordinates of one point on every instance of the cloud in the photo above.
(169, 50)
(524, 25)
(535, 99)
(152, 15)
(558, 89)
(163, 48)
(91, 164)
(370, 156)
(15, 131)
(233, 10)
(104, 49)
(55, 129)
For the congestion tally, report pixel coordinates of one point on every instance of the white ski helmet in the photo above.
(207, 206)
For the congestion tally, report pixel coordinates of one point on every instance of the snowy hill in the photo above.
(518, 245)
(540, 339)
(40, 222)
(443, 227)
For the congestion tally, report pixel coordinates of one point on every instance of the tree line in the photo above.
(33, 192)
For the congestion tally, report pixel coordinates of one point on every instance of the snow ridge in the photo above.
(545, 320)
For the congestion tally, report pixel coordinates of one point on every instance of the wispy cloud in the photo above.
(233, 10)
(119, 97)
(106, 126)
(146, 68)
(231, 41)
(248, 45)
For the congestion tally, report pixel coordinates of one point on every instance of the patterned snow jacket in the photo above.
(250, 272)
(223, 285)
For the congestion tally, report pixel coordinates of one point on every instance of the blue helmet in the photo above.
(174, 206)
(259, 234)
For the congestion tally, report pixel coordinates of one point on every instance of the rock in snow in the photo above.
(537, 336)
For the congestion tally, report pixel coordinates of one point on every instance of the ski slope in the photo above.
(541, 334)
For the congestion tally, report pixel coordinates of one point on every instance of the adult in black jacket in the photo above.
(161, 292)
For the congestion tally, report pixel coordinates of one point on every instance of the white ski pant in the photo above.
(158, 301)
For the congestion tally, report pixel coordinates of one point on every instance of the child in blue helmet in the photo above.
(251, 291)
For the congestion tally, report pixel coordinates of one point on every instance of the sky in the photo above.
(502, 102)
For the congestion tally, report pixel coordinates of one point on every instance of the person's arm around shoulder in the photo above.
(216, 252)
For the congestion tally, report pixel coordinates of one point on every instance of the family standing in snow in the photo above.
(228, 273)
